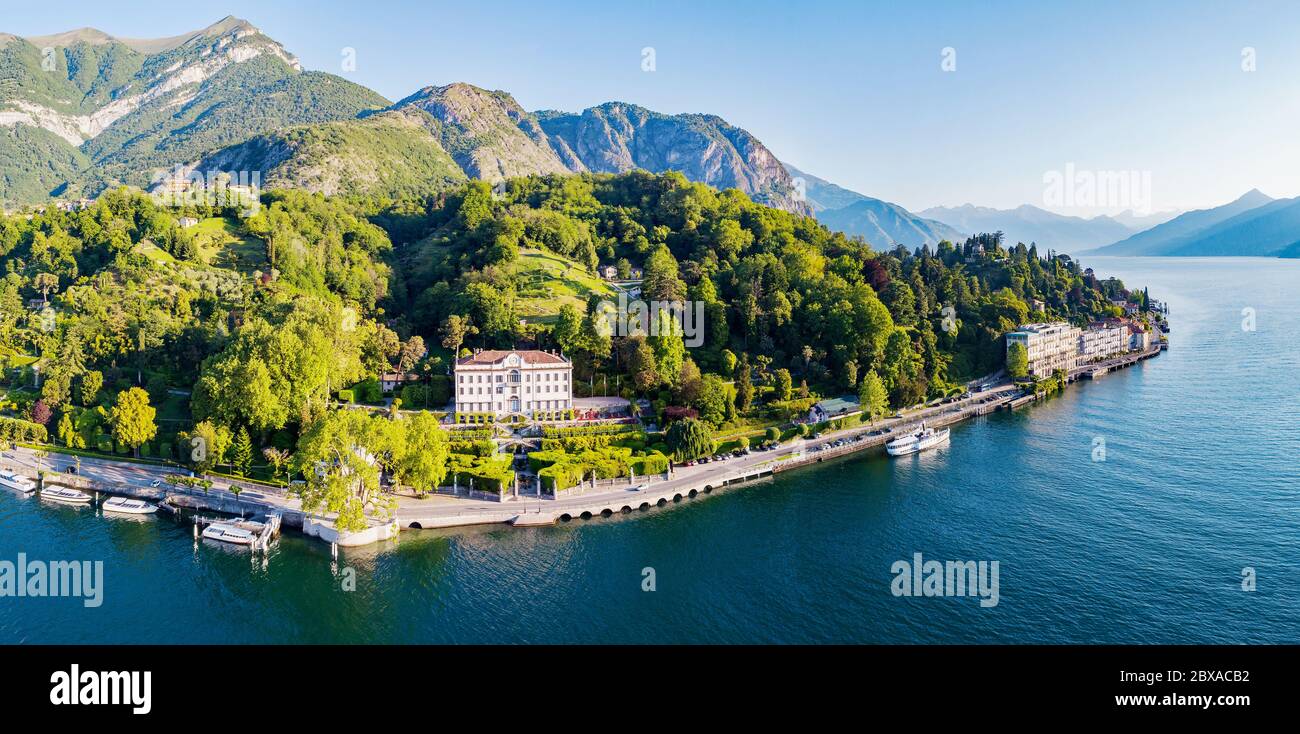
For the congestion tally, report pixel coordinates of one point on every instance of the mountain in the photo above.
(99, 111)
(881, 223)
(1031, 224)
(83, 110)
(1165, 238)
(391, 153)
(488, 134)
(615, 137)
(446, 133)
(1265, 231)
(1138, 222)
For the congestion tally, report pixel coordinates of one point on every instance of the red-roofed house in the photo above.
(506, 382)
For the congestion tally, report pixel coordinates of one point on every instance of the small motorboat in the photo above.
(65, 495)
(228, 534)
(17, 481)
(128, 506)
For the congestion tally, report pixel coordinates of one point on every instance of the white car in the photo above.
(155, 483)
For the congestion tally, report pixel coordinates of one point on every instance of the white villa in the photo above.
(508, 382)
(1051, 346)
(1103, 339)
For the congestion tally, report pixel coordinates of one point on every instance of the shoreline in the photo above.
(442, 512)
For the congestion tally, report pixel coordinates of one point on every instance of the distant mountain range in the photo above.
(82, 111)
(1255, 224)
(881, 223)
(1030, 224)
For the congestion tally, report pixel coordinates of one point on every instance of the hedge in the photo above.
(490, 474)
(16, 429)
(479, 447)
(592, 430)
(560, 470)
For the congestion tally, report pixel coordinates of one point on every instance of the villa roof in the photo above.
(496, 356)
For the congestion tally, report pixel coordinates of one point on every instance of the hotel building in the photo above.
(1103, 339)
(509, 382)
(1051, 346)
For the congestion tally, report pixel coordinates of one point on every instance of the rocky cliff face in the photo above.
(488, 134)
(617, 137)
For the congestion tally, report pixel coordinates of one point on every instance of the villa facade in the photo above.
(513, 382)
(1050, 346)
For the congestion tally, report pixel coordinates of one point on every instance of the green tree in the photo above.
(689, 439)
(744, 386)
(68, 433)
(873, 396)
(1017, 361)
(91, 382)
(567, 331)
(784, 385)
(205, 446)
(133, 418)
(454, 330)
(339, 455)
(424, 462)
(669, 349)
(713, 400)
(278, 459)
(241, 452)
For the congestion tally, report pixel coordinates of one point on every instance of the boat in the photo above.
(912, 443)
(228, 534)
(65, 495)
(17, 481)
(128, 506)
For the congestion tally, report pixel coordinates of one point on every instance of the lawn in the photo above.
(221, 243)
(548, 281)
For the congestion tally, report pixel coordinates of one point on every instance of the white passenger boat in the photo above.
(65, 495)
(228, 534)
(17, 482)
(128, 506)
(925, 438)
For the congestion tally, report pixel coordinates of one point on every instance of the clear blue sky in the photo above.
(850, 91)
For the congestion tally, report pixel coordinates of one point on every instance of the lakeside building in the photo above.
(832, 408)
(1103, 339)
(1139, 337)
(509, 382)
(1050, 346)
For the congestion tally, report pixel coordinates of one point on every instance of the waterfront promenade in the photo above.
(442, 511)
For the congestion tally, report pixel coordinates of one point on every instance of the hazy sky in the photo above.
(854, 92)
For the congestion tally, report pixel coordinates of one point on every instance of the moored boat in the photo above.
(228, 534)
(128, 506)
(925, 438)
(65, 495)
(17, 482)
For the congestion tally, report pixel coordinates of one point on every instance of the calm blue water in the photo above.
(1200, 480)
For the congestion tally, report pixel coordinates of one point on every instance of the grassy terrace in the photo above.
(548, 281)
(221, 244)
